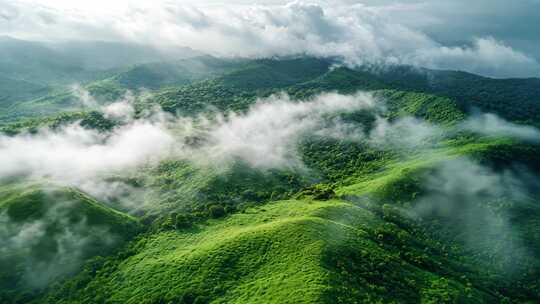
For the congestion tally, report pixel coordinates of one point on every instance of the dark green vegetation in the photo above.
(48, 231)
(445, 222)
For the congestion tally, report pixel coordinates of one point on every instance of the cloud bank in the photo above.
(75, 153)
(266, 136)
(358, 33)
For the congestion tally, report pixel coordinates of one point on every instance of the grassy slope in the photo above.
(400, 184)
(58, 214)
(303, 251)
(396, 169)
(284, 252)
(30, 201)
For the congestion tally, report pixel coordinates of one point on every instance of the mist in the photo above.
(492, 125)
(266, 136)
(404, 134)
(476, 203)
(75, 153)
(52, 245)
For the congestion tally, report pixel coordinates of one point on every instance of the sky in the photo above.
(495, 38)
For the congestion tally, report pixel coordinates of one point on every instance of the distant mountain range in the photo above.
(61, 63)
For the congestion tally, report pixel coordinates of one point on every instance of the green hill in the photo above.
(364, 245)
(284, 252)
(437, 214)
(193, 85)
(513, 99)
(108, 86)
(48, 232)
(12, 90)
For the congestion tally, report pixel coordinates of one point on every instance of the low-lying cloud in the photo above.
(50, 247)
(404, 134)
(265, 136)
(491, 124)
(476, 203)
(76, 153)
(485, 56)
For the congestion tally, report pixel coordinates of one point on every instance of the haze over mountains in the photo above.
(72, 62)
(302, 152)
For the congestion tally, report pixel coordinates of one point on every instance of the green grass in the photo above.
(396, 169)
(284, 252)
(24, 202)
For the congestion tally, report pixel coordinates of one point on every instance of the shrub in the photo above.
(318, 192)
(182, 221)
(216, 211)
(230, 209)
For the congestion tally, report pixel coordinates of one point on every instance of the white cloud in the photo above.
(358, 33)
(268, 134)
(486, 56)
(404, 133)
(492, 125)
(121, 110)
(74, 154)
(265, 136)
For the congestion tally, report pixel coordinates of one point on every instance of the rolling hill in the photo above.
(411, 199)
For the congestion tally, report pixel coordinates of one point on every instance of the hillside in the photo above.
(348, 249)
(199, 82)
(16, 90)
(48, 232)
(285, 180)
(284, 252)
(108, 86)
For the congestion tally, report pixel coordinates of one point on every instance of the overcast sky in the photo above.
(492, 37)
